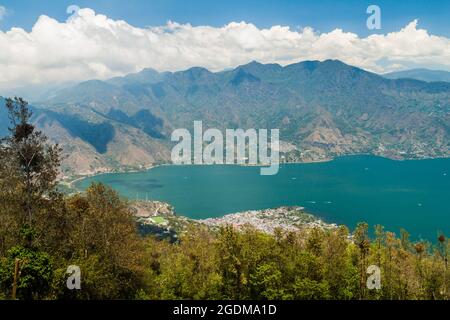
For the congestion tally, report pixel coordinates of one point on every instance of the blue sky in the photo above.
(323, 16)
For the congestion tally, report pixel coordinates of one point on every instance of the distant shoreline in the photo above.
(71, 183)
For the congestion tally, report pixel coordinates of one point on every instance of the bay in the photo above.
(413, 194)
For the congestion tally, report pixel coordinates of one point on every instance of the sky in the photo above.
(40, 43)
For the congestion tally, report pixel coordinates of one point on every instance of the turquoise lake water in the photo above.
(414, 195)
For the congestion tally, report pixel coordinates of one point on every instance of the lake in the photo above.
(414, 195)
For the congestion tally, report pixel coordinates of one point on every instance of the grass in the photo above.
(159, 220)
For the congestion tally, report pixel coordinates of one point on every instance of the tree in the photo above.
(361, 238)
(102, 231)
(340, 273)
(31, 163)
(307, 289)
(185, 270)
(231, 263)
(35, 270)
(28, 171)
(443, 252)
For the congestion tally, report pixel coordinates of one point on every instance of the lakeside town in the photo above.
(161, 219)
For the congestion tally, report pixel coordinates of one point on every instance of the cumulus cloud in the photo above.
(90, 45)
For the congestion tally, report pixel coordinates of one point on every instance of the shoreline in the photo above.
(71, 182)
(147, 168)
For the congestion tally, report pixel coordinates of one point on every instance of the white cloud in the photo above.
(90, 45)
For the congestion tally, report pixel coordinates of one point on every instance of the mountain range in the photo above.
(323, 110)
(420, 74)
